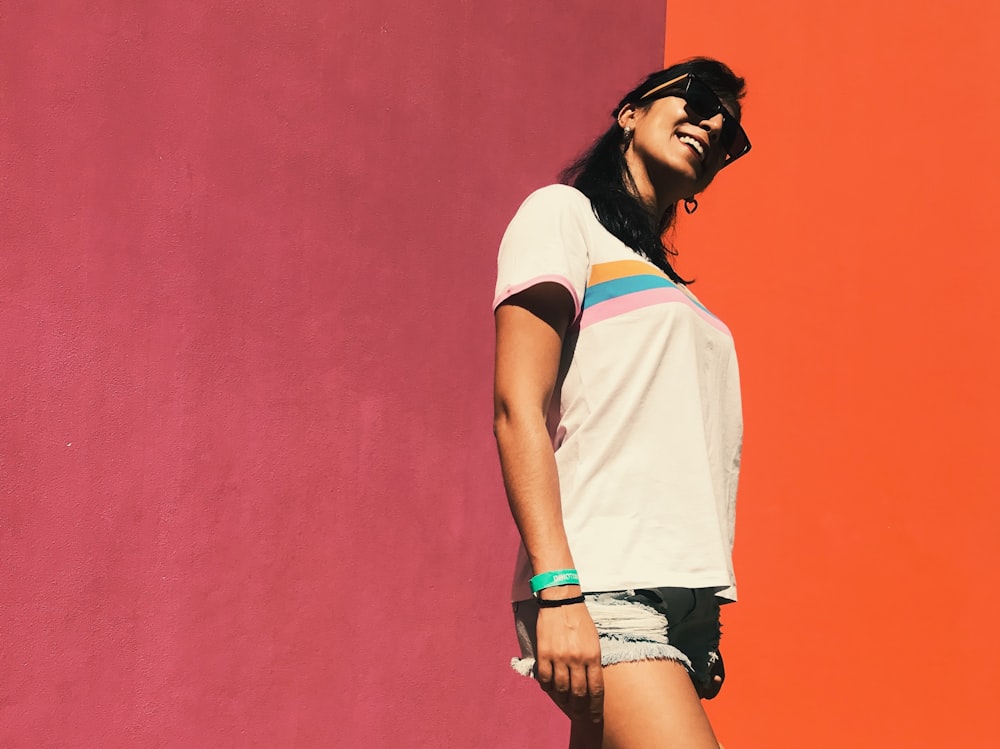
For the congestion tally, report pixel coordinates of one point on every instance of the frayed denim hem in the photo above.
(523, 666)
(616, 651)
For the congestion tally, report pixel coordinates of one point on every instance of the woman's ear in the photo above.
(627, 116)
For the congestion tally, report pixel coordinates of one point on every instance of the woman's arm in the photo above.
(530, 328)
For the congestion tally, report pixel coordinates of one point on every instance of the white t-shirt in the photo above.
(646, 423)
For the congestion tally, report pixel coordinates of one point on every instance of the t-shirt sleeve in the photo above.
(546, 241)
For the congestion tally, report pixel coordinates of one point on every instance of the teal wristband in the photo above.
(554, 579)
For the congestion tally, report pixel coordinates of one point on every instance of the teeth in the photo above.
(693, 143)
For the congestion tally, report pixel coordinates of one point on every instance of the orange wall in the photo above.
(854, 254)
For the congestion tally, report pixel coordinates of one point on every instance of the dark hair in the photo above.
(602, 173)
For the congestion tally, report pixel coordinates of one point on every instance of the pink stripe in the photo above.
(639, 299)
(510, 291)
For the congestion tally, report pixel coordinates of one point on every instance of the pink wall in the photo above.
(249, 494)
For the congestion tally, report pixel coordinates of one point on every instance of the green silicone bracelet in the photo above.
(554, 579)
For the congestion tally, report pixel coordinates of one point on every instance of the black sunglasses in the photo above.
(703, 101)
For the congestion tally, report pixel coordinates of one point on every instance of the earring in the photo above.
(690, 205)
(627, 134)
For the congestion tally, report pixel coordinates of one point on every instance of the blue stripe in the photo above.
(617, 287)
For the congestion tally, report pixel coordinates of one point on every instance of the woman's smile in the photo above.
(695, 145)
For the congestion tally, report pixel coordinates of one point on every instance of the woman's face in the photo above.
(676, 148)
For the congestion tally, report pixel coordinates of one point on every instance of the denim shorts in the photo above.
(677, 624)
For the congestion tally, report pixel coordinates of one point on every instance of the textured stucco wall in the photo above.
(249, 490)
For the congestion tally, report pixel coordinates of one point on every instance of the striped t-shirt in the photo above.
(646, 422)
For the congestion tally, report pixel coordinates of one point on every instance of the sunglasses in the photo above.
(702, 101)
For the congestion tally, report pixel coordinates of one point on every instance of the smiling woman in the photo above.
(618, 422)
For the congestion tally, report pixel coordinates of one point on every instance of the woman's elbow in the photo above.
(510, 417)
(501, 418)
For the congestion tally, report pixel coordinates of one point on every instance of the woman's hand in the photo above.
(568, 660)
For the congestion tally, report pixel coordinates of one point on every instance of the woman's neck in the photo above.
(656, 196)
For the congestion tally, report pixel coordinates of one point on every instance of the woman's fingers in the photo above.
(580, 697)
(571, 688)
(595, 687)
(561, 680)
(576, 686)
(543, 672)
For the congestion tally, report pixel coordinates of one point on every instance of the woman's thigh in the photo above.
(647, 705)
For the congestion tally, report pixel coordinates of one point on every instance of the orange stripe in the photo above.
(621, 269)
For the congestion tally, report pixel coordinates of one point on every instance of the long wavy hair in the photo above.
(602, 174)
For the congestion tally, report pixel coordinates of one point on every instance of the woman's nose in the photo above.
(712, 126)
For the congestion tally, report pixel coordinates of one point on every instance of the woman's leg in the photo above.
(647, 705)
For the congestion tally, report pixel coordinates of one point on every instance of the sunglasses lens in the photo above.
(702, 101)
(733, 138)
(739, 145)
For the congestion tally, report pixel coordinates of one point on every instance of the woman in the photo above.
(618, 422)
